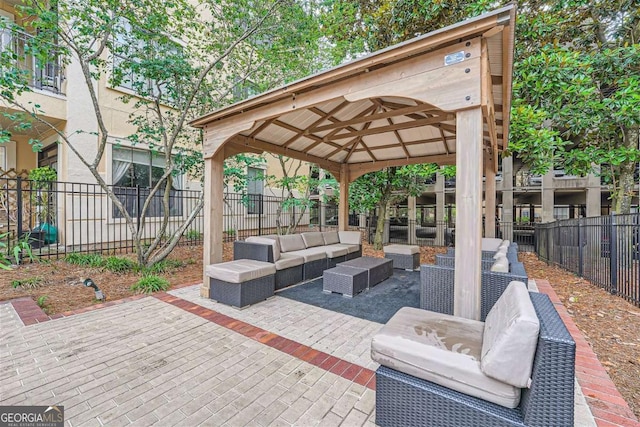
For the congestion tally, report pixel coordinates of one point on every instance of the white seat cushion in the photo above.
(401, 249)
(288, 261)
(350, 237)
(275, 243)
(350, 248)
(511, 337)
(500, 265)
(442, 349)
(330, 237)
(490, 244)
(240, 270)
(312, 254)
(312, 239)
(334, 251)
(291, 242)
(500, 253)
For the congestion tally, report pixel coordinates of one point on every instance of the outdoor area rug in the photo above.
(377, 304)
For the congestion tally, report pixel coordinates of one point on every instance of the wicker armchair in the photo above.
(437, 282)
(405, 401)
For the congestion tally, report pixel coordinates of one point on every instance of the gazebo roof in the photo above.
(371, 112)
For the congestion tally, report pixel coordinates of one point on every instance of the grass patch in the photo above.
(30, 283)
(87, 260)
(150, 283)
(43, 304)
(119, 265)
(164, 266)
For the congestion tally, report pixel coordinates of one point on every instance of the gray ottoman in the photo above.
(403, 256)
(347, 281)
(241, 282)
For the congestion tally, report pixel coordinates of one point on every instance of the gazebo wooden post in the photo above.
(468, 213)
(489, 200)
(343, 204)
(213, 209)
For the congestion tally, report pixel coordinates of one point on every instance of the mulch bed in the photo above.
(608, 322)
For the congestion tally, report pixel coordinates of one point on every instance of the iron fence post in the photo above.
(260, 214)
(613, 255)
(138, 213)
(580, 249)
(19, 202)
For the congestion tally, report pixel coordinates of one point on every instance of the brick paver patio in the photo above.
(178, 359)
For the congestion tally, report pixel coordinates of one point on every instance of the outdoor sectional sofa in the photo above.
(299, 257)
(440, 370)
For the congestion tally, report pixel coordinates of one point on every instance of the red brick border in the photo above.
(350, 371)
(605, 401)
(30, 313)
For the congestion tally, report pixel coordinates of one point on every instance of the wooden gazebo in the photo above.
(440, 98)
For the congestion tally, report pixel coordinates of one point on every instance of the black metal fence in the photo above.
(604, 250)
(442, 233)
(58, 218)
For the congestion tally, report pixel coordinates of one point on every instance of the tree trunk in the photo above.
(623, 192)
(382, 216)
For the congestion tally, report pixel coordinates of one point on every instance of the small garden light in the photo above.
(99, 295)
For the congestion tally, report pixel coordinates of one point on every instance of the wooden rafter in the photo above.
(320, 140)
(404, 125)
(488, 108)
(358, 140)
(262, 127)
(373, 117)
(323, 117)
(410, 143)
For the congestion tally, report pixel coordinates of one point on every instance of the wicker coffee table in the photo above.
(347, 281)
(378, 269)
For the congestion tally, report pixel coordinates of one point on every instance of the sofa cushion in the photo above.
(490, 244)
(288, 260)
(510, 337)
(330, 237)
(500, 265)
(442, 349)
(311, 254)
(240, 270)
(274, 242)
(505, 244)
(291, 242)
(312, 239)
(350, 248)
(334, 251)
(401, 249)
(350, 237)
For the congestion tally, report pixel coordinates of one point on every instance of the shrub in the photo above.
(164, 266)
(88, 260)
(30, 283)
(150, 283)
(118, 264)
(193, 235)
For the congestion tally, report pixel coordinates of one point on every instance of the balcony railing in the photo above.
(43, 74)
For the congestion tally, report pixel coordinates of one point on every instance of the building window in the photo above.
(255, 190)
(129, 53)
(134, 173)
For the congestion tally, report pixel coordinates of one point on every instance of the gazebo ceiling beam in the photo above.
(373, 117)
(323, 117)
(255, 143)
(337, 146)
(359, 169)
(358, 140)
(409, 143)
(488, 108)
(436, 120)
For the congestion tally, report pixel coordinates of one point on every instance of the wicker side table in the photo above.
(347, 281)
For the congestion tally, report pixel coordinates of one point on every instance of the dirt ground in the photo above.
(609, 323)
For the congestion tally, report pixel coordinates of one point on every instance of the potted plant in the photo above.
(44, 232)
